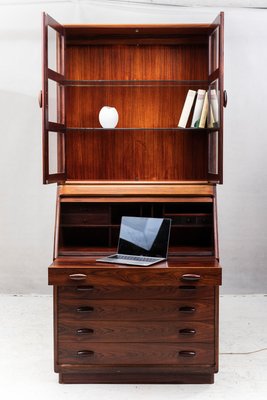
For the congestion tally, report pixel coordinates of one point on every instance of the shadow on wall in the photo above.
(27, 207)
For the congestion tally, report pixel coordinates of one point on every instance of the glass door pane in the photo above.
(213, 153)
(214, 51)
(56, 152)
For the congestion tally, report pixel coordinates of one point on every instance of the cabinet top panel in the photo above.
(133, 32)
(154, 29)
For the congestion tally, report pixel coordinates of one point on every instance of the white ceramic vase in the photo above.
(108, 117)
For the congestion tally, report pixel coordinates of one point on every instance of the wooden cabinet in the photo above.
(123, 323)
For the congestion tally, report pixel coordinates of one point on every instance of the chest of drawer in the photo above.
(139, 310)
(85, 292)
(135, 353)
(130, 331)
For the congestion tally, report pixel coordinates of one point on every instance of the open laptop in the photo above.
(142, 241)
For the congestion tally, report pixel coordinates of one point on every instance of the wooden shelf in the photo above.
(141, 83)
(173, 251)
(167, 129)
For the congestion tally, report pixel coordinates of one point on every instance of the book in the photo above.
(211, 121)
(214, 107)
(190, 97)
(204, 112)
(198, 108)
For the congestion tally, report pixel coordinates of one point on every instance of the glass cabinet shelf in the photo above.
(184, 130)
(140, 83)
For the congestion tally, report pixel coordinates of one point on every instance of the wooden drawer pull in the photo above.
(187, 353)
(84, 331)
(225, 99)
(85, 309)
(40, 99)
(84, 288)
(78, 277)
(187, 310)
(190, 277)
(187, 332)
(85, 353)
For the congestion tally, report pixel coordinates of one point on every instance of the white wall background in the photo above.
(27, 207)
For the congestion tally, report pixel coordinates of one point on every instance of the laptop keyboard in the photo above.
(136, 258)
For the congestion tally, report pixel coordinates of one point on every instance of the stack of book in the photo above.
(205, 109)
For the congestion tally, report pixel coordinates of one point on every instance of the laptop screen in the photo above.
(141, 236)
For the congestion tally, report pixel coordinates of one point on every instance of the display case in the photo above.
(124, 323)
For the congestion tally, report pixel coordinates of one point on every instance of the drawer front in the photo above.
(136, 292)
(129, 276)
(157, 310)
(135, 353)
(130, 331)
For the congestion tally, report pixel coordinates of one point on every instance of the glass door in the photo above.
(216, 100)
(52, 101)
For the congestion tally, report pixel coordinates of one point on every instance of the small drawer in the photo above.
(136, 292)
(130, 331)
(204, 220)
(183, 220)
(192, 219)
(135, 353)
(135, 310)
(84, 219)
(84, 208)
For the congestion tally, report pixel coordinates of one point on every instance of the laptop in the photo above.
(142, 241)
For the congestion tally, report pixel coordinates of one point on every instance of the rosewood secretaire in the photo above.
(128, 324)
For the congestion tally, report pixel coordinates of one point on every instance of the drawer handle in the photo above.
(84, 331)
(187, 332)
(84, 288)
(85, 353)
(187, 310)
(187, 353)
(190, 277)
(78, 277)
(85, 309)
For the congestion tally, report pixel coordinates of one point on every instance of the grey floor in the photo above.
(26, 366)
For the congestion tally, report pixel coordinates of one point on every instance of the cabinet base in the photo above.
(170, 378)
